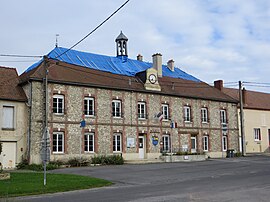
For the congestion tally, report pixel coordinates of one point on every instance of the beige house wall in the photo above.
(18, 134)
(104, 126)
(256, 119)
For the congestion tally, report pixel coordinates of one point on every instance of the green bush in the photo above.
(37, 167)
(76, 162)
(108, 160)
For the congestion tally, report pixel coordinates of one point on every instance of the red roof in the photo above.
(9, 89)
(252, 99)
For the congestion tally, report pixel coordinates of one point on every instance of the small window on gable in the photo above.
(8, 117)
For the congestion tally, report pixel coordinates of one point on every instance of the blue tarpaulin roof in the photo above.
(116, 65)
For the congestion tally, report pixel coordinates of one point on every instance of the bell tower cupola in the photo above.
(121, 45)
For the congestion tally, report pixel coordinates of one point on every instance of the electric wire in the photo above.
(21, 56)
(93, 29)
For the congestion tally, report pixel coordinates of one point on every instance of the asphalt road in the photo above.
(236, 179)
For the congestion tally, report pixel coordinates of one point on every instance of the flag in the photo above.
(173, 124)
(160, 116)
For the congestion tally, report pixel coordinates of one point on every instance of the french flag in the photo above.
(160, 116)
(173, 124)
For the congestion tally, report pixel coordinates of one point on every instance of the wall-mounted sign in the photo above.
(155, 140)
(130, 142)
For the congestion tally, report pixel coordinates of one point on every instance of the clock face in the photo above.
(152, 78)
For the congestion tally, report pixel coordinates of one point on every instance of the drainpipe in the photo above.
(29, 124)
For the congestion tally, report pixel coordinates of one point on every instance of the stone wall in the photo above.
(104, 126)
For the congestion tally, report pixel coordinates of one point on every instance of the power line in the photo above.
(258, 83)
(21, 56)
(17, 60)
(94, 29)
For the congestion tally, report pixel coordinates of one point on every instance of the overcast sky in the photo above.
(210, 39)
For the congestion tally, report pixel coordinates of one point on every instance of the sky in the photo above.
(210, 39)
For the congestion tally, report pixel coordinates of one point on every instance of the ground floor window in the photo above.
(117, 142)
(205, 143)
(89, 142)
(58, 142)
(166, 143)
(224, 143)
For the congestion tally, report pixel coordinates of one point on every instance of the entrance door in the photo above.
(193, 144)
(141, 147)
(8, 155)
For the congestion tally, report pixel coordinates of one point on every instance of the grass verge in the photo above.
(22, 184)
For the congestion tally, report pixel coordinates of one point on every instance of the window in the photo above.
(187, 114)
(223, 117)
(116, 108)
(166, 143)
(224, 143)
(89, 142)
(89, 106)
(117, 142)
(8, 117)
(58, 104)
(141, 110)
(204, 115)
(205, 143)
(58, 142)
(165, 111)
(257, 134)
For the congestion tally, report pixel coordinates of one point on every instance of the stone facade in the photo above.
(104, 126)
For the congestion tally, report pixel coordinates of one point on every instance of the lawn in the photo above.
(22, 184)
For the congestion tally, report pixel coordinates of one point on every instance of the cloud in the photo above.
(227, 40)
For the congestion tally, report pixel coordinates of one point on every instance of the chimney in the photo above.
(170, 65)
(219, 84)
(244, 95)
(139, 57)
(157, 63)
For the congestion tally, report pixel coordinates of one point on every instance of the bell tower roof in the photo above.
(121, 45)
(121, 37)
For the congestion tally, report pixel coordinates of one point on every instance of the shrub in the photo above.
(37, 167)
(108, 160)
(76, 162)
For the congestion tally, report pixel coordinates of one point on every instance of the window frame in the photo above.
(6, 126)
(257, 134)
(223, 116)
(57, 143)
(205, 143)
(86, 106)
(187, 114)
(166, 139)
(165, 112)
(114, 109)
(204, 115)
(58, 97)
(224, 143)
(117, 138)
(141, 107)
(87, 141)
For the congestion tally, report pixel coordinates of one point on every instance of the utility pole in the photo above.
(45, 118)
(243, 142)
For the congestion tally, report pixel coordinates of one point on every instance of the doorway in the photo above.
(142, 147)
(193, 144)
(8, 155)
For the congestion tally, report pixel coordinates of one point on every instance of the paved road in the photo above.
(237, 179)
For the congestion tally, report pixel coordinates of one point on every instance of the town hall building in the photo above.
(113, 105)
